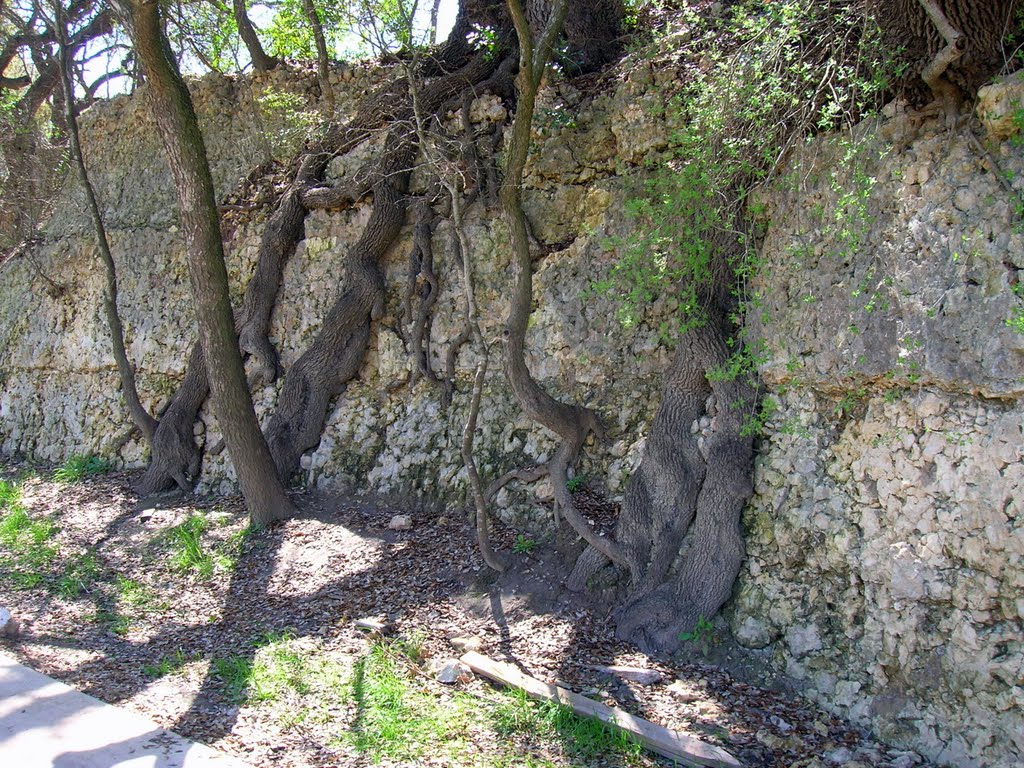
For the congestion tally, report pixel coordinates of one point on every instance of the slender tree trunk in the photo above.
(261, 61)
(571, 423)
(145, 423)
(186, 154)
(434, 9)
(322, 58)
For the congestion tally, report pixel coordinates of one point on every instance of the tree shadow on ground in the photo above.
(428, 578)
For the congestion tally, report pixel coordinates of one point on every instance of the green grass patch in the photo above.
(78, 575)
(192, 552)
(79, 467)
(167, 665)
(235, 672)
(586, 740)
(188, 553)
(9, 494)
(135, 597)
(114, 621)
(226, 556)
(397, 718)
(26, 552)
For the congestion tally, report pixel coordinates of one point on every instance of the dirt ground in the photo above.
(135, 628)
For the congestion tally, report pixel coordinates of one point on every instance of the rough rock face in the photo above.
(886, 535)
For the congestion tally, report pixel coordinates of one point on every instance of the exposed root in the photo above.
(424, 287)
(475, 485)
(933, 74)
(573, 424)
(526, 475)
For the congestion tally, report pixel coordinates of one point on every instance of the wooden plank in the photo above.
(375, 625)
(671, 744)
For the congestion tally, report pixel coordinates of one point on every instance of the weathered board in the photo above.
(671, 744)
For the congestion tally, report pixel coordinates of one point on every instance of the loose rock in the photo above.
(400, 523)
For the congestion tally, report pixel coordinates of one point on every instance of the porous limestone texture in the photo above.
(886, 537)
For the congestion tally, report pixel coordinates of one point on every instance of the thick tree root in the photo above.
(680, 522)
(956, 43)
(175, 458)
(173, 442)
(338, 350)
(337, 353)
(424, 287)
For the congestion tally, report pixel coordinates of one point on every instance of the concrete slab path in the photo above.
(46, 724)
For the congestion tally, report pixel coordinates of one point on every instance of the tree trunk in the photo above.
(261, 61)
(186, 155)
(571, 423)
(145, 423)
(323, 60)
(175, 458)
(680, 521)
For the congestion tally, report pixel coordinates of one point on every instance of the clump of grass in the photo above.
(114, 621)
(235, 673)
(226, 556)
(280, 667)
(78, 575)
(9, 494)
(27, 551)
(187, 551)
(135, 596)
(81, 466)
(133, 599)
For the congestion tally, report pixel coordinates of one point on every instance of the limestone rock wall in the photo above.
(885, 537)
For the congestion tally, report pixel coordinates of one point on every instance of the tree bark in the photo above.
(323, 60)
(145, 423)
(186, 153)
(571, 423)
(680, 521)
(261, 61)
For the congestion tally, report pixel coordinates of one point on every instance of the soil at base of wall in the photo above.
(116, 616)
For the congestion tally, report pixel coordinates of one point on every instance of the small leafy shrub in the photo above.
(79, 467)
(575, 483)
(1016, 320)
(703, 634)
(523, 545)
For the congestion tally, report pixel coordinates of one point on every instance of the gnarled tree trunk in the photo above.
(337, 352)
